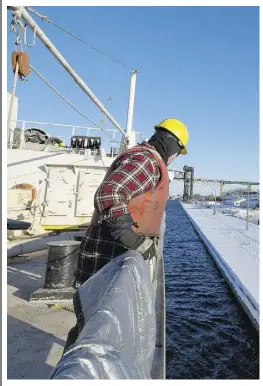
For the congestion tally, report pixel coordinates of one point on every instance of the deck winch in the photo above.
(85, 142)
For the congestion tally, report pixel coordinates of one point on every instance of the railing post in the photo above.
(214, 212)
(22, 137)
(221, 189)
(114, 143)
(248, 190)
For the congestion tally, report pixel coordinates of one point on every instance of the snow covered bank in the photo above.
(235, 211)
(234, 250)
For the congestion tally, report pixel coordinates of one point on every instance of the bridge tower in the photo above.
(188, 182)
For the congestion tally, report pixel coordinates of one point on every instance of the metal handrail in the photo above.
(88, 128)
(63, 125)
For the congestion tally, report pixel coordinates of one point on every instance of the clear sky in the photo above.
(197, 64)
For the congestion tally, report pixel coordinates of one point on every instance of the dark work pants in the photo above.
(72, 337)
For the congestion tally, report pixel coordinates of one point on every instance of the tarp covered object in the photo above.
(118, 335)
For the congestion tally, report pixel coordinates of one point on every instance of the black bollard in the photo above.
(61, 264)
(59, 277)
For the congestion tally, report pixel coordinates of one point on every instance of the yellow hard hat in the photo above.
(178, 129)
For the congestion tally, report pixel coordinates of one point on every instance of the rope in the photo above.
(45, 18)
(68, 102)
(11, 105)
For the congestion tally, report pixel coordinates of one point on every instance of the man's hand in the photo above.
(121, 230)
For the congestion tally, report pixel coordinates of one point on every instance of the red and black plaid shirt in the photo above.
(134, 173)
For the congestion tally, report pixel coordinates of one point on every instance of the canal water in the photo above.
(208, 335)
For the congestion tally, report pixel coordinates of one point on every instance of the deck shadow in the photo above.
(26, 277)
(32, 353)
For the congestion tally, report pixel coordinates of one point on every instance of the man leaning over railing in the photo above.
(130, 203)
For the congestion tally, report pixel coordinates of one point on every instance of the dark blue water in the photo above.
(208, 334)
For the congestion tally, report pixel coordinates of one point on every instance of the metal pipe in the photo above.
(61, 124)
(128, 139)
(131, 104)
(11, 105)
(240, 183)
(50, 46)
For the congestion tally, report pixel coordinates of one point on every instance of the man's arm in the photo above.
(135, 174)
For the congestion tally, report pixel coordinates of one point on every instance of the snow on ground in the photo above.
(236, 247)
(232, 228)
(235, 211)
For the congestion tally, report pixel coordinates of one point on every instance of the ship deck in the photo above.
(36, 332)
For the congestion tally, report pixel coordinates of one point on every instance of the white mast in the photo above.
(129, 139)
(130, 108)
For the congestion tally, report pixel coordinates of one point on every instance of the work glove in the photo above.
(146, 246)
(121, 230)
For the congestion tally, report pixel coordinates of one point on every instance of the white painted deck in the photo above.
(235, 250)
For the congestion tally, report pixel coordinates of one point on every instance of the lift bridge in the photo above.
(187, 175)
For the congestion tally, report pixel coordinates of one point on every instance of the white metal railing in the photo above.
(24, 124)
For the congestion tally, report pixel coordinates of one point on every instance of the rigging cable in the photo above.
(68, 102)
(45, 18)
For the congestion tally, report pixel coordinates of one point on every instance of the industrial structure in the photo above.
(187, 175)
